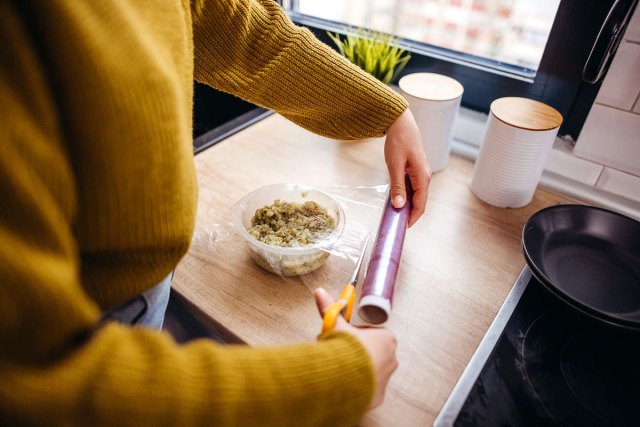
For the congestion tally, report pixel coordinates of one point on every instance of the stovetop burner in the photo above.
(581, 374)
(541, 363)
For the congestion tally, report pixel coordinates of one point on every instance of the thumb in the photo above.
(323, 301)
(397, 190)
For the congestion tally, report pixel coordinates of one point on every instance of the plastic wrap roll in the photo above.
(377, 291)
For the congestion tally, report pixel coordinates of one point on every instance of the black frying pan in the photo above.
(590, 258)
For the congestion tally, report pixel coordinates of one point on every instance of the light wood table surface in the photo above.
(458, 264)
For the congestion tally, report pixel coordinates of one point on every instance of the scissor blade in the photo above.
(356, 270)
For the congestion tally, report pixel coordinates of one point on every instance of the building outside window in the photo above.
(508, 32)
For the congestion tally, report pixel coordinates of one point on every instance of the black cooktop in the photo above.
(543, 363)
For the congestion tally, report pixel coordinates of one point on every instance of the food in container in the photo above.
(291, 224)
(289, 248)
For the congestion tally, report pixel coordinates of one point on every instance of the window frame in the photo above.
(558, 81)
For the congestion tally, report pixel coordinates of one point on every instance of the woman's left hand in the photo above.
(404, 154)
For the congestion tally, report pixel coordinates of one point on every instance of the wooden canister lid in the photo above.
(526, 113)
(431, 86)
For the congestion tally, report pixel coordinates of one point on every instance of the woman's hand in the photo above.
(404, 154)
(380, 343)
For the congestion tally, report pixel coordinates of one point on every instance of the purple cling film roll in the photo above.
(377, 291)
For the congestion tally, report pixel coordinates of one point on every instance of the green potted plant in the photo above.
(375, 52)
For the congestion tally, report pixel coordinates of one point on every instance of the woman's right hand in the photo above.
(380, 343)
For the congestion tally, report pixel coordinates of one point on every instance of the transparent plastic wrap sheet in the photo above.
(328, 265)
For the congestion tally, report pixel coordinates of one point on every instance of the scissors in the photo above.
(344, 305)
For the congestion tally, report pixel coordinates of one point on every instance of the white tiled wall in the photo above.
(610, 137)
(622, 83)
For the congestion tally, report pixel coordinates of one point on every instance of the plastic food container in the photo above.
(288, 261)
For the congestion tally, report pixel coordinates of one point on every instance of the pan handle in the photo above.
(608, 40)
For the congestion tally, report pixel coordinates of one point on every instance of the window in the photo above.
(505, 34)
(531, 48)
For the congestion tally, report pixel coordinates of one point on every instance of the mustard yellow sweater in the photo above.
(97, 204)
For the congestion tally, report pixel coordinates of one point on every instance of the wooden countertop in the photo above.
(458, 264)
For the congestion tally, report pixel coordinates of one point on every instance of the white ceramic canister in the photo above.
(434, 101)
(518, 137)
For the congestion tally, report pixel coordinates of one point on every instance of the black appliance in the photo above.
(543, 363)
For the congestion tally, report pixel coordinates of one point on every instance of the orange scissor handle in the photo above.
(344, 307)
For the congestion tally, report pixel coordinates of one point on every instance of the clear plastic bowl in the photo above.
(288, 261)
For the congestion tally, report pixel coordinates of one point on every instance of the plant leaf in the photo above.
(337, 41)
(375, 52)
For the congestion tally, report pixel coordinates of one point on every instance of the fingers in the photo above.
(404, 154)
(379, 343)
(420, 185)
(419, 179)
(418, 207)
(323, 301)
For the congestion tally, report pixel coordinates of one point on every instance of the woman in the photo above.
(98, 198)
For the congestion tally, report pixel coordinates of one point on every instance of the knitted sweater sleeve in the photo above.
(251, 49)
(58, 369)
